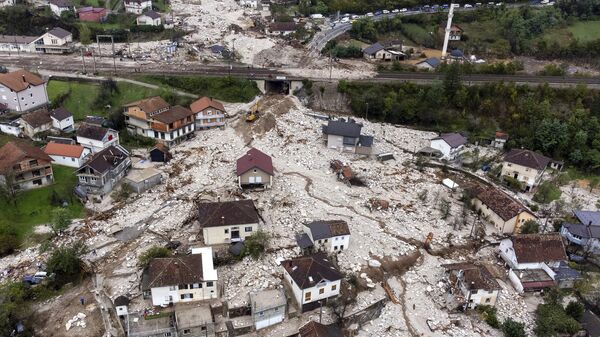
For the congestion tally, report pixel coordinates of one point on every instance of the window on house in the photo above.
(170, 125)
(487, 300)
(187, 296)
(342, 247)
(326, 240)
(321, 291)
(172, 288)
(248, 229)
(187, 331)
(196, 285)
(307, 296)
(335, 247)
(473, 292)
(184, 286)
(209, 284)
(333, 287)
(226, 231)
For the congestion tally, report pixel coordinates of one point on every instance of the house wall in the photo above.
(588, 244)
(199, 291)
(300, 294)
(424, 65)
(65, 125)
(209, 117)
(481, 297)
(383, 55)
(134, 7)
(142, 186)
(217, 235)
(15, 48)
(507, 227)
(173, 136)
(28, 99)
(337, 142)
(268, 317)
(58, 10)
(51, 40)
(31, 131)
(10, 129)
(98, 145)
(252, 175)
(514, 279)
(333, 244)
(70, 161)
(146, 20)
(531, 177)
(442, 146)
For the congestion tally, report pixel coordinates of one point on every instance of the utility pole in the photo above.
(330, 65)
(82, 60)
(94, 58)
(367, 111)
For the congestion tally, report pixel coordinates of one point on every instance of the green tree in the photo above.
(593, 182)
(65, 262)
(8, 188)
(530, 227)
(61, 220)
(9, 239)
(575, 310)
(14, 306)
(546, 193)
(512, 328)
(85, 35)
(255, 244)
(152, 253)
(452, 81)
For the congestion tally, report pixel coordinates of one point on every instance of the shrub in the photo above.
(530, 227)
(9, 240)
(575, 310)
(546, 193)
(255, 245)
(152, 253)
(488, 313)
(551, 320)
(65, 262)
(513, 183)
(512, 328)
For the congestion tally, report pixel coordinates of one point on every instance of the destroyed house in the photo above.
(313, 280)
(525, 166)
(208, 113)
(36, 122)
(315, 329)
(532, 260)
(227, 222)
(254, 169)
(102, 171)
(346, 136)
(505, 213)
(472, 284)
(96, 138)
(27, 166)
(331, 236)
(178, 279)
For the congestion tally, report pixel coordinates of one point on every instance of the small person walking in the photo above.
(82, 300)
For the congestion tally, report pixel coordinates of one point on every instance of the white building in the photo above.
(330, 236)
(11, 128)
(227, 222)
(55, 41)
(313, 280)
(525, 166)
(150, 18)
(181, 279)
(346, 136)
(4, 3)
(17, 43)
(267, 307)
(60, 6)
(121, 306)
(96, 138)
(531, 259)
(472, 284)
(67, 154)
(22, 91)
(449, 144)
(137, 6)
(250, 3)
(62, 120)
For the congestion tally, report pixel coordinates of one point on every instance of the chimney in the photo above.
(23, 76)
(590, 223)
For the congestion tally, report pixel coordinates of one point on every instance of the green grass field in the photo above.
(33, 206)
(585, 31)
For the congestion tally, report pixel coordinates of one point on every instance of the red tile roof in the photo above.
(66, 150)
(532, 248)
(204, 103)
(254, 159)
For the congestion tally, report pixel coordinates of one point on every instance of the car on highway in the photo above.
(395, 11)
(477, 4)
(385, 11)
(378, 13)
(499, 4)
(345, 20)
(468, 6)
(456, 5)
(370, 14)
(355, 17)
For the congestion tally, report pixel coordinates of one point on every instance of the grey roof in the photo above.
(527, 158)
(453, 139)
(236, 249)
(92, 131)
(121, 300)
(588, 217)
(591, 323)
(583, 231)
(374, 48)
(216, 49)
(59, 32)
(18, 39)
(564, 272)
(192, 317)
(303, 241)
(267, 299)
(61, 114)
(151, 14)
(432, 61)
(366, 141)
(61, 3)
(343, 128)
(328, 229)
(457, 53)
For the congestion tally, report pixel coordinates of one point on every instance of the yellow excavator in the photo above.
(252, 115)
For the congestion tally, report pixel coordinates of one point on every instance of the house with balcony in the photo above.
(54, 41)
(471, 284)
(345, 136)
(102, 171)
(208, 113)
(35, 122)
(585, 233)
(227, 222)
(149, 18)
(525, 166)
(22, 91)
(179, 279)
(23, 167)
(450, 145)
(312, 279)
(96, 138)
(138, 113)
(533, 260)
(331, 236)
(137, 6)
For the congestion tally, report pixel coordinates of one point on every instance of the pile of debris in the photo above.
(77, 320)
(345, 174)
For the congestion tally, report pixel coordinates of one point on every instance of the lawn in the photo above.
(82, 96)
(33, 206)
(585, 31)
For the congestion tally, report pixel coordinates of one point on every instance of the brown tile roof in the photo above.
(174, 113)
(204, 103)
(527, 158)
(531, 248)
(476, 276)
(254, 159)
(328, 229)
(106, 159)
(314, 329)
(14, 152)
(150, 105)
(171, 271)
(61, 114)
(501, 135)
(19, 80)
(66, 150)
(37, 118)
(309, 271)
(215, 214)
(499, 202)
(91, 131)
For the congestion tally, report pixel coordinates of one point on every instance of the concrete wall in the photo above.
(531, 177)
(482, 297)
(333, 244)
(199, 291)
(142, 186)
(217, 235)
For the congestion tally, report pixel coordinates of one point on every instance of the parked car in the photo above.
(403, 10)
(37, 278)
(468, 6)
(378, 13)
(385, 11)
(477, 4)
(370, 14)
(456, 5)
(396, 10)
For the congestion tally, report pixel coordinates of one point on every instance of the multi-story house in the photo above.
(154, 118)
(313, 280)
(96, 138)
(227, 222)
(585, 233)
(450, 145)
(54, 41)
(506, 214)
(345, 136)
(137, 6)
(331, 236)
(472, 284)
(103, 171)
(208, 113)
(150, 18)
(24, 167)
(181, 279)
(62, 120)
(255, 169)
(22, 91)
(525, 166)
